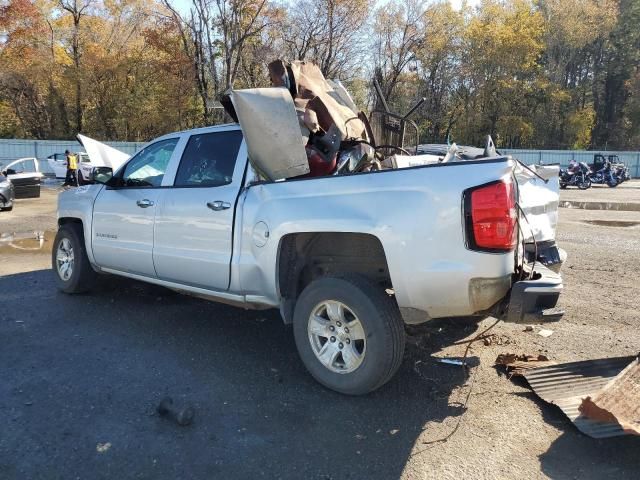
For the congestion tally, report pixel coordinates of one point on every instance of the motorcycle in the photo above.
(605, 175)
(621, 173)
(576, 177)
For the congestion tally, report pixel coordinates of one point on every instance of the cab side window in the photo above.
(147, 167)
(209, 159)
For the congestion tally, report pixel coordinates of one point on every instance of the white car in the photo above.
(25, 175)
(58, 163)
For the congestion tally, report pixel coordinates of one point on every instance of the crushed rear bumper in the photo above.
(533, 301)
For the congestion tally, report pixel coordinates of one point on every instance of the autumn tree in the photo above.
(329, 33)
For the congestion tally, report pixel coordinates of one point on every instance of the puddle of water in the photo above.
(31, 242)
(613, 223)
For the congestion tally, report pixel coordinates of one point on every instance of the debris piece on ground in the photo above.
(182, 417)
(544, 332)
(451, 361)
(103, 447)
(528, 328)
(496, 339)
(618, 402)
(566, 385)
(515, 365)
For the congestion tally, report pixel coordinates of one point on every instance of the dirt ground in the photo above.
(82, 375)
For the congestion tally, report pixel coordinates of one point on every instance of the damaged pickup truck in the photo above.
(305, 207)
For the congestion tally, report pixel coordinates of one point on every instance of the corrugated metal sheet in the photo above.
(618, 401)
(567, 384)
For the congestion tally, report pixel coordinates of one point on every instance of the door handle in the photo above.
(218, 205)
(144, 203)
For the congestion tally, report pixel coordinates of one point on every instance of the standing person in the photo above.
(72, 166)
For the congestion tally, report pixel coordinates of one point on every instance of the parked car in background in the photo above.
(25, 175)
(7, 193)
(58, 163)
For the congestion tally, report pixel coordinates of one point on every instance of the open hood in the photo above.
(102, 155)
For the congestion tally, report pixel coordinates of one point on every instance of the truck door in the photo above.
(194, 221)
(123, 215)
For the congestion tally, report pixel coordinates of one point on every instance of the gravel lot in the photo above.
(82, 376)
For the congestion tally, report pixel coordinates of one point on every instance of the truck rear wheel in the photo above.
(69, 261)
(349, 334)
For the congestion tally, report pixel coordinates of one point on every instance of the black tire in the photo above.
(586, 183)
(6, 209)
(383, 330)
(83, 276)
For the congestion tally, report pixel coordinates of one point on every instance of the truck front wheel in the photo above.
(69, 261)
(349, 334)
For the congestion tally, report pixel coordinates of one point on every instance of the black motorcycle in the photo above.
(606, 175)
(621, 173)
(576, 177)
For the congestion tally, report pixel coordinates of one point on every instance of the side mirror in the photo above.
(102, 175)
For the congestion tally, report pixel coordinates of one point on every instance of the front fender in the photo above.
(77, 203)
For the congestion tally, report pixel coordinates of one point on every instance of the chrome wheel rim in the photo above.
(336, 336)
(64, 259)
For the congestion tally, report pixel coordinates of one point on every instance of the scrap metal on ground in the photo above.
(601, 397)
(515, 365)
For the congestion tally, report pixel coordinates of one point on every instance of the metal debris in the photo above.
(566, 385)
(515, 365)
(451, 361)
(495, 339)
(618, 402)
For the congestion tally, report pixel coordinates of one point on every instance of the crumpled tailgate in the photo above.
(539, 201)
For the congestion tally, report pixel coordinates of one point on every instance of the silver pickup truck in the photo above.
(347, 259)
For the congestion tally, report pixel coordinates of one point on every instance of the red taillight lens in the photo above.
(493, 216)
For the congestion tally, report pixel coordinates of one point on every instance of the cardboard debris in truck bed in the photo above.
(567, 385)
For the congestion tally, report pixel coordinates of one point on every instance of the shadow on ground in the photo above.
(82, 376)
(576, 455)
(85, 373)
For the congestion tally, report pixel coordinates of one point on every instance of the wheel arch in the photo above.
(304, 257)
(84, 232)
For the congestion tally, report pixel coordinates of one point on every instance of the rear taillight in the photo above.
(491, 217)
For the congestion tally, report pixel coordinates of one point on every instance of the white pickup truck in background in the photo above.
(347, 258)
